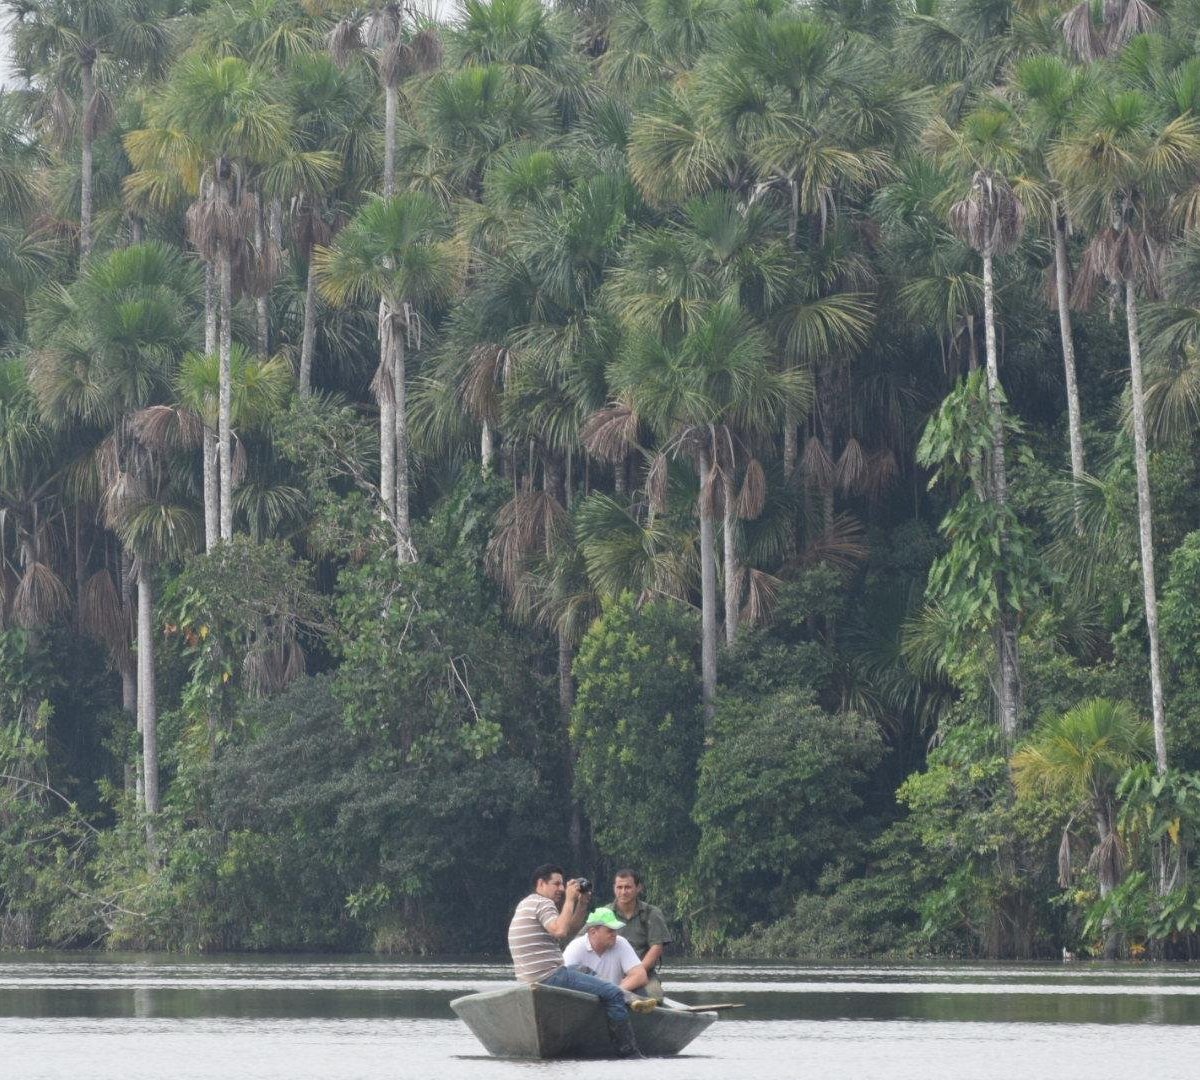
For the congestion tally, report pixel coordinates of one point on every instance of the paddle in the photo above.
(678, 1006)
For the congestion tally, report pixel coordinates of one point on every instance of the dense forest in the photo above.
(748, 440)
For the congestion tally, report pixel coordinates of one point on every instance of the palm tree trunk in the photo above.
(262, 314)
(209, 459)
(391, 103)
(88, 86)
(566, 702)
(147, 704)
(129, 685)
(309, 339)
(708, 594)
(487, 449)
(405, 549)
(1074, 423)
(212, 498)
(387, 415)
(136, 227)
(1145, 530)
(791, 442)
(225, 394)
(1008, 658)
(733, 578)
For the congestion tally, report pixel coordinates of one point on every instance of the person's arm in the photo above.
(570, 919)
(660, 938)
(635, 978)
(652, 957)
(633, 972)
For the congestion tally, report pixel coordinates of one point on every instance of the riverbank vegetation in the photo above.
(748, 440)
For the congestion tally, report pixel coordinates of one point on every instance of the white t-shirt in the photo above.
(612, 966)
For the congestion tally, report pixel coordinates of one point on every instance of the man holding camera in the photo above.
(554, 912)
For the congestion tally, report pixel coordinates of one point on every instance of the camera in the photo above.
(584, 885)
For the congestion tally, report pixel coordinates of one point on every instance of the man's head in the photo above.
(602, 926)
(627, 884)
(548, 880)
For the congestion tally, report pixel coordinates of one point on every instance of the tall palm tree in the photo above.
(696, 391)
(1052, 93)
(57, 43)
(398, 251)
(108, 347)
(401, 45)
(214, 121)
(991, 219)
(333, 114)
(1120, 166)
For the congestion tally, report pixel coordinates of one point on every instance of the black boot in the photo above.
(623, 1040)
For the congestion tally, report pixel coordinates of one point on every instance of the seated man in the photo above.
(556, 910)
(606, 955)
(645, 927)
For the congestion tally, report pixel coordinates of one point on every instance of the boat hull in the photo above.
(529, 1020)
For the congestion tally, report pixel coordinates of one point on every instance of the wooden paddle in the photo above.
(707, 1008)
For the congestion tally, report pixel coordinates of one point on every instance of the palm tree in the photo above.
(401, 45)
(61, 41)
(399, 251)
(214, 121)
(1119, 167)
(696, 391)
(1052, 93)
(108, 346)
(1080, 756)
(333, 114)
(991, 219)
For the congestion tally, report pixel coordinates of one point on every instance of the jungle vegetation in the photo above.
(751, 440)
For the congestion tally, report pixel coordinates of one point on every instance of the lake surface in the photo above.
(72, 1017)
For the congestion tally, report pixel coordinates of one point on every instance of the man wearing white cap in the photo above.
(604, 953)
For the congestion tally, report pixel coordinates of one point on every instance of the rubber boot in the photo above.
(623, 1039)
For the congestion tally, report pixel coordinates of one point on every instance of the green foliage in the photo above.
(863, 905)
(992, 563)
(780, 783)
(991, 856)
(636, 732)
(645, 264)
(242, 615)
(428, 665)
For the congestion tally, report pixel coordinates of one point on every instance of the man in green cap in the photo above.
(603, 953)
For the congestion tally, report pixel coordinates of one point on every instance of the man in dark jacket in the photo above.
(645, 927)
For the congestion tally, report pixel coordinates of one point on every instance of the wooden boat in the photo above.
(528, 1020)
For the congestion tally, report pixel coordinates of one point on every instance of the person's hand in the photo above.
(573, 892)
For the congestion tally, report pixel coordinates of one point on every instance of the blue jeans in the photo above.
(610, 994)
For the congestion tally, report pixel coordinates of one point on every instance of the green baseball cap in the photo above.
(604, 916)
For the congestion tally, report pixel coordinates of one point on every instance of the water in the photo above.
(285, 1018)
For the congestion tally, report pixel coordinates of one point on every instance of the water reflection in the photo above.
(144, 1018)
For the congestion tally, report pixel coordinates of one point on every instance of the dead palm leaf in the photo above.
(842, 544)
(851, 465)
(103, 618)
(525, 526)
(762, 592)
(753, 495)
(816, 464)
(346, 39)
(609, 433)
(166, 427)
(1080, 34)
(39, 597)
